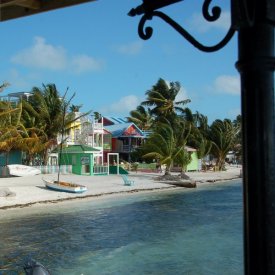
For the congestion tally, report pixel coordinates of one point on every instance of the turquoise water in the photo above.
(194, 232)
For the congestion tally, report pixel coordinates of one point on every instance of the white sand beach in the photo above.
(31, 191)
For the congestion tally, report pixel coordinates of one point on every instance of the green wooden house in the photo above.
(194, 164)
(80, 157)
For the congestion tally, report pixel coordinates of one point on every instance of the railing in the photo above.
(53, 169)
(100, 170)
(97, 126)
(49, 169)
(128, 148)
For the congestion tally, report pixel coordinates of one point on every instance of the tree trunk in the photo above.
(168, 170)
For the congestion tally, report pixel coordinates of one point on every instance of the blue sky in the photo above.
(94, 49)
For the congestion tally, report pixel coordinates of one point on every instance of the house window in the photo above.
(76, 134)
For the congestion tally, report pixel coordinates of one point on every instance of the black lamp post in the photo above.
(254, 21)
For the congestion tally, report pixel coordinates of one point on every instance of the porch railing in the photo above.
(100, 170)
(53, 169)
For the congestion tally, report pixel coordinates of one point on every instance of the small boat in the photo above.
(63, 186)
(58, 185)
(19, 170)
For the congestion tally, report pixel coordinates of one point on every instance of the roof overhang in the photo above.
(12, 9)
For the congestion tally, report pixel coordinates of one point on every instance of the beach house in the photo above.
(80, 157)
(89, 132)
(126, 136)
(195, 164)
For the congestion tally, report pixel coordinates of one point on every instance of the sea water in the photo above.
(172, 232)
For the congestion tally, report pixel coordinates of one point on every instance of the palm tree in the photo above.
(34, 143)
(9, 115)
(45, 110)
(11, 128)
(183, 159)
(162, 97)
(201, 123)
(97, 116)
(202, 144)
(142, 117)
(182, 130)
(222, 135)
(199, 137)
(164, 146)
(75, 108)
(3, 86)
(187, 115)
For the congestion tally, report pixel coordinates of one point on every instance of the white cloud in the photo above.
(131, 48)
(123, 106)
(200, 24)
(83, 63)
(42, 55)
(227, 84)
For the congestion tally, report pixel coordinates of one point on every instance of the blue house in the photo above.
(126, 136)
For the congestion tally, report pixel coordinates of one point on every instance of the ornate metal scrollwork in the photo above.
(216, 11)
(146, 32)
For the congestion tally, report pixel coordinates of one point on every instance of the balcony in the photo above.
(127, 148)
(96, 127)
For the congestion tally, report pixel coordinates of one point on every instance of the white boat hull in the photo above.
(64, 186)
(19, 170)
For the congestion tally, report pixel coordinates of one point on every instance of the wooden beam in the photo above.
(32, 4)
(12, 9)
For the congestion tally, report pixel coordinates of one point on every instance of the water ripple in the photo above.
(196, 233)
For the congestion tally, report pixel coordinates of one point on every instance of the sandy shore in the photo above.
(31, 191)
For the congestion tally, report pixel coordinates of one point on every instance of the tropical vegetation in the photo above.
(34, 125)
(173, 126)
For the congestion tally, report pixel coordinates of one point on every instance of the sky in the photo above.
(94, 50)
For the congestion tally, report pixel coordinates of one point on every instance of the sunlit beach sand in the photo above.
(31, 191)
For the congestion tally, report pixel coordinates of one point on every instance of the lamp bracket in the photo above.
(146, 32)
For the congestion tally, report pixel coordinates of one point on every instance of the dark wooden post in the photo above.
(256, 66)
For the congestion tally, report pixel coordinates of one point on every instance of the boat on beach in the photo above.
(58, 185)
(64, 186)
(19, 170)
